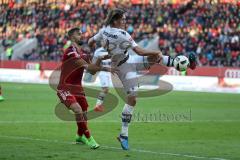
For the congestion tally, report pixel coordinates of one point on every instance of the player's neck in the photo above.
(117, 27)
(114, 26)
(76, 45)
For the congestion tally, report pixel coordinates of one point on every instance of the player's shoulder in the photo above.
(70, 49)
(102, 29)
(123, 32)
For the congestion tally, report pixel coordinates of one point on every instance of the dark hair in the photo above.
(114, 15)
(72, 31)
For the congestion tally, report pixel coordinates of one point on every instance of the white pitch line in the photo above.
(16, 122)
(113, 121)
(116, 148)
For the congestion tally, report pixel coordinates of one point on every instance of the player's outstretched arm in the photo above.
(99, 59)
(93, 67)
(144, 52)
(106, 69)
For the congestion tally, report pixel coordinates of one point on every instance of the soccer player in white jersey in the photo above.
(104, 77)
(117, 41)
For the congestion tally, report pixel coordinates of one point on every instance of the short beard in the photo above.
(80, 42)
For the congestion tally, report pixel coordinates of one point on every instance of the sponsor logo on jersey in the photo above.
(110, 35)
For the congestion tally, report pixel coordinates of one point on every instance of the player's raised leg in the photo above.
(169, 61)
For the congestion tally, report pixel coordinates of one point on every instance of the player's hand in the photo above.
(158, 55)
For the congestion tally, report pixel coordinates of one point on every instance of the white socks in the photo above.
(100, 98)
(167, 61)
(126, 118)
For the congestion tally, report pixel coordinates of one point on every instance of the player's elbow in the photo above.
(92, 69)
(105, 90)
(91, 42)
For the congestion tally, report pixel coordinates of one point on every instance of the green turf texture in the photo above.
(208, 127)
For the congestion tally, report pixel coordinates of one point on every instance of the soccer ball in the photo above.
(181, 63)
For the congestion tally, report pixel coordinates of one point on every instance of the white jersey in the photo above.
(116, 41)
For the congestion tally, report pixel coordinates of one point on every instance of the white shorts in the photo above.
(128, 73)
(128, 76)
(140, 61)
(105, 79)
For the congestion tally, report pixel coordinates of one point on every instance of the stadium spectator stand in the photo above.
(211, 30)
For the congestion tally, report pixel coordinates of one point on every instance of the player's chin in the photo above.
(124, 27)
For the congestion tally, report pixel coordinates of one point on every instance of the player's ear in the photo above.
(116, 21)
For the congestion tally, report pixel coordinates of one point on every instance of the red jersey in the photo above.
(71, 73)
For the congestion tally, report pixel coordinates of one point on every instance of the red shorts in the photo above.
(67, 98)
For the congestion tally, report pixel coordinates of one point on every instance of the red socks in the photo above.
(83, 129)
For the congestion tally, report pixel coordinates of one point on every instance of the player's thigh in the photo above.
(66, 98)
(82, 101)
(129, 78)
(141, 62)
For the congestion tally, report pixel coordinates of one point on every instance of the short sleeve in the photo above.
(72, 55)
(71, 52)
(130, 40)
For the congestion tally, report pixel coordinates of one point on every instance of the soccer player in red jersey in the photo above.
(1, 97)
(70, 89)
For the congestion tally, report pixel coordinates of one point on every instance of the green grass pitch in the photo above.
(208, 127)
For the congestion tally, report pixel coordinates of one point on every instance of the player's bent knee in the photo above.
(105, 90)
(76, 108)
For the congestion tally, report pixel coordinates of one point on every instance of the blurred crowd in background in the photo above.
(212, 31)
